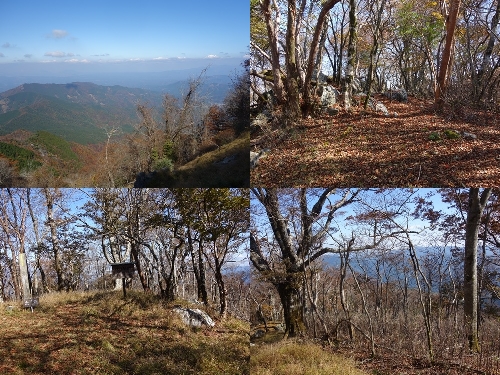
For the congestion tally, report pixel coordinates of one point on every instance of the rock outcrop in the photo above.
(255, 156)
(400, 95)
(194, 317)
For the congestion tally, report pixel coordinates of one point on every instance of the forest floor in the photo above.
(412, 147)
(271, 355)
(100, 333)
(388, 363)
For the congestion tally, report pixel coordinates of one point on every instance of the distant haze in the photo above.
(145, 75)
(119, 42)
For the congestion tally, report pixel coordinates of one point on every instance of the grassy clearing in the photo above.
(100, 333)
(298, 358)
(228, 166)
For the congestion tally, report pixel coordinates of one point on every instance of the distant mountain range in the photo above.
(213, 89)
(82, 111)
(77, 111)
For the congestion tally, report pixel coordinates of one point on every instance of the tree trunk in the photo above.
(351, 54)
(54, 239)
(289, 293)
(373, 53)
(36, 230)
(272, 32)
(198, 269)
(476, 207)
(313, 53)
(140, 272)
(444, 68)
(222, 293)
(25, 284)
(293, 106)
(485, 66)
(171, 287)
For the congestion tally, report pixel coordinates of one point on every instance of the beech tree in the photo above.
(466, 226)
(220, 216)
(13, 233)
(299, 227)
(299, 63)
(351, 53)
(477, 203)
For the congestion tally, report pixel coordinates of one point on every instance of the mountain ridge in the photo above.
(82, 111)
(77, 111)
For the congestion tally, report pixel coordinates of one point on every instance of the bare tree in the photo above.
(477, 202)
(445, 66)
(300, 236)
(351, 53)
(298, 79)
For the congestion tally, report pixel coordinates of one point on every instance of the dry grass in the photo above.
(229, 166)
(100, 333)
(299, 358)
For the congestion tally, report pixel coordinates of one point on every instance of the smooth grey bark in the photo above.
(50, 196)
(39, 242)
(477, 203)
(351, 54)
(25, 284)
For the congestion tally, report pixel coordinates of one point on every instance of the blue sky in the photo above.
(138, 33)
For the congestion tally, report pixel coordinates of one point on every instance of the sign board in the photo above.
(123, 270)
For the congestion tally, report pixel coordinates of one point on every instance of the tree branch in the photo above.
(256, 257)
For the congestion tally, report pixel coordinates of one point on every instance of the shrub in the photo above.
(434, 136)
(451, 134)
(163, 163)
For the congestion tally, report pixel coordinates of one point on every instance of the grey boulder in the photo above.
(194, 317)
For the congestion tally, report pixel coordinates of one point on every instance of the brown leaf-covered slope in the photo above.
(413, 146)
(100, 333)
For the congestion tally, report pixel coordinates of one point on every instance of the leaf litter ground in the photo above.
(100, 333)
(413, 146)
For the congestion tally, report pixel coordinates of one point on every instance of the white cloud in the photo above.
(77, 61)
(55, 54)
(58, 34)
(212, 56)
(160, 58)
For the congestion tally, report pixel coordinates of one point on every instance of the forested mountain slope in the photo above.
(78, 111)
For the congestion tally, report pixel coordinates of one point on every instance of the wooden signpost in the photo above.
(123, 270)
